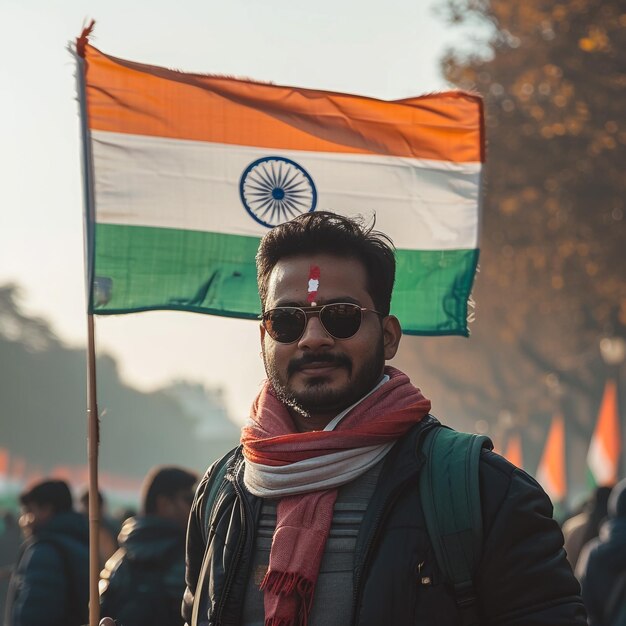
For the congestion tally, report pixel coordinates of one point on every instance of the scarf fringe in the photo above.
(285, 584)
(303, 619)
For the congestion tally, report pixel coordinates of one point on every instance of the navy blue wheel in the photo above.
(275, 190)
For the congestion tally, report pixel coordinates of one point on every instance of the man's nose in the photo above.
(315, 335)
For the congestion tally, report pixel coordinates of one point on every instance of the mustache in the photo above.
(337, 360)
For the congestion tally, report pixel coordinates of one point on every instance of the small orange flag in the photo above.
(4, 462)
(551, 471)
(606, 443)
(513, 451)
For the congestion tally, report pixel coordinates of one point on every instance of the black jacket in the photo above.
(523, 580)
(50, 584)
(148, 568)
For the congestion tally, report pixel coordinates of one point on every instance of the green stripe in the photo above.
(140, 269)
(590, 479)
(432, 290)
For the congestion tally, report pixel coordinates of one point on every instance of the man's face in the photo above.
(34, 516)
(319, 375)
(177, 507)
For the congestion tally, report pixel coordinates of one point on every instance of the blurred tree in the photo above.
(42, 406)
(553, 251)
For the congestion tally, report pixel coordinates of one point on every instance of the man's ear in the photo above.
(392, 333)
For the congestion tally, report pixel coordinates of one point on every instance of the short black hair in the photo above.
(164, 481)
(55, 493)
(328, 233)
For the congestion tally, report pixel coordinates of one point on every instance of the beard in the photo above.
(318, 396)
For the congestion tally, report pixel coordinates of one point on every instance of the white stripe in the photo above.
(321, 472)
(599, 463)
(170, 183)
(546, 480)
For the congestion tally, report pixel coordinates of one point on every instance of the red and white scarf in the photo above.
(306, 469)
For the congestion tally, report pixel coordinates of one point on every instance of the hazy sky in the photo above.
(387, 50)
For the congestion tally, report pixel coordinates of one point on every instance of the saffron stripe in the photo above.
(128, 97)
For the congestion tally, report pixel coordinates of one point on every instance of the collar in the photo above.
(336, 420)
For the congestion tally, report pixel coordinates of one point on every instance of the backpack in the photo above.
(133, 593)
(450, 497)
(77, 589)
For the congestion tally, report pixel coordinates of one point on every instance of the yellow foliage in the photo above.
(557, 282)
(566, 249)
(583, 249)
(508, 206)
(529, 194)
(587, 44)
(591, 268)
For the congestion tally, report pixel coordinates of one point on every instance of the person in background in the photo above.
(585, 526)
(601, 566)
(10, 540)
(142, 584)
(108, 528)
(50, 583)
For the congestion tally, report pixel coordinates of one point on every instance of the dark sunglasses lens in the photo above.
(284, 325)
(341, 320)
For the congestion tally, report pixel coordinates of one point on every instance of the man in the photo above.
(142, 584)
(109, 528)
(585, 526)
(50, 582)
(601, 567)
(318, 520)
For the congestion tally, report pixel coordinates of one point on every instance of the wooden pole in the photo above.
(93, 423)
(93, 439)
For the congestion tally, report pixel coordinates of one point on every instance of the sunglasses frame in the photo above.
(316, 310)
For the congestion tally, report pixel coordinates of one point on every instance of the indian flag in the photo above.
(605, 447)
(185, 173)
(551, 472)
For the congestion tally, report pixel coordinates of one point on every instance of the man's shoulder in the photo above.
(225, 463)
(213, 479)
(42, 554)
(506, 488)
(499, 474)
(497, 477)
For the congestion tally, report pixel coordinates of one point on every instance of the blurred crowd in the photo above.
(595, 542)
(44, 554)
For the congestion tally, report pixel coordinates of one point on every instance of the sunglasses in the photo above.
(341, 320)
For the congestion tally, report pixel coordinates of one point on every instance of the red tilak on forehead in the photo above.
(314, 283)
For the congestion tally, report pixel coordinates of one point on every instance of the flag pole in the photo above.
(93, 422)
(93, 440)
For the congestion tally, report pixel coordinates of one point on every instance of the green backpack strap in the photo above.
(450, 496)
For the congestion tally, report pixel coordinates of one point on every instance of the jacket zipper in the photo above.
(378, 522)
(368, 550)
(240, 544)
